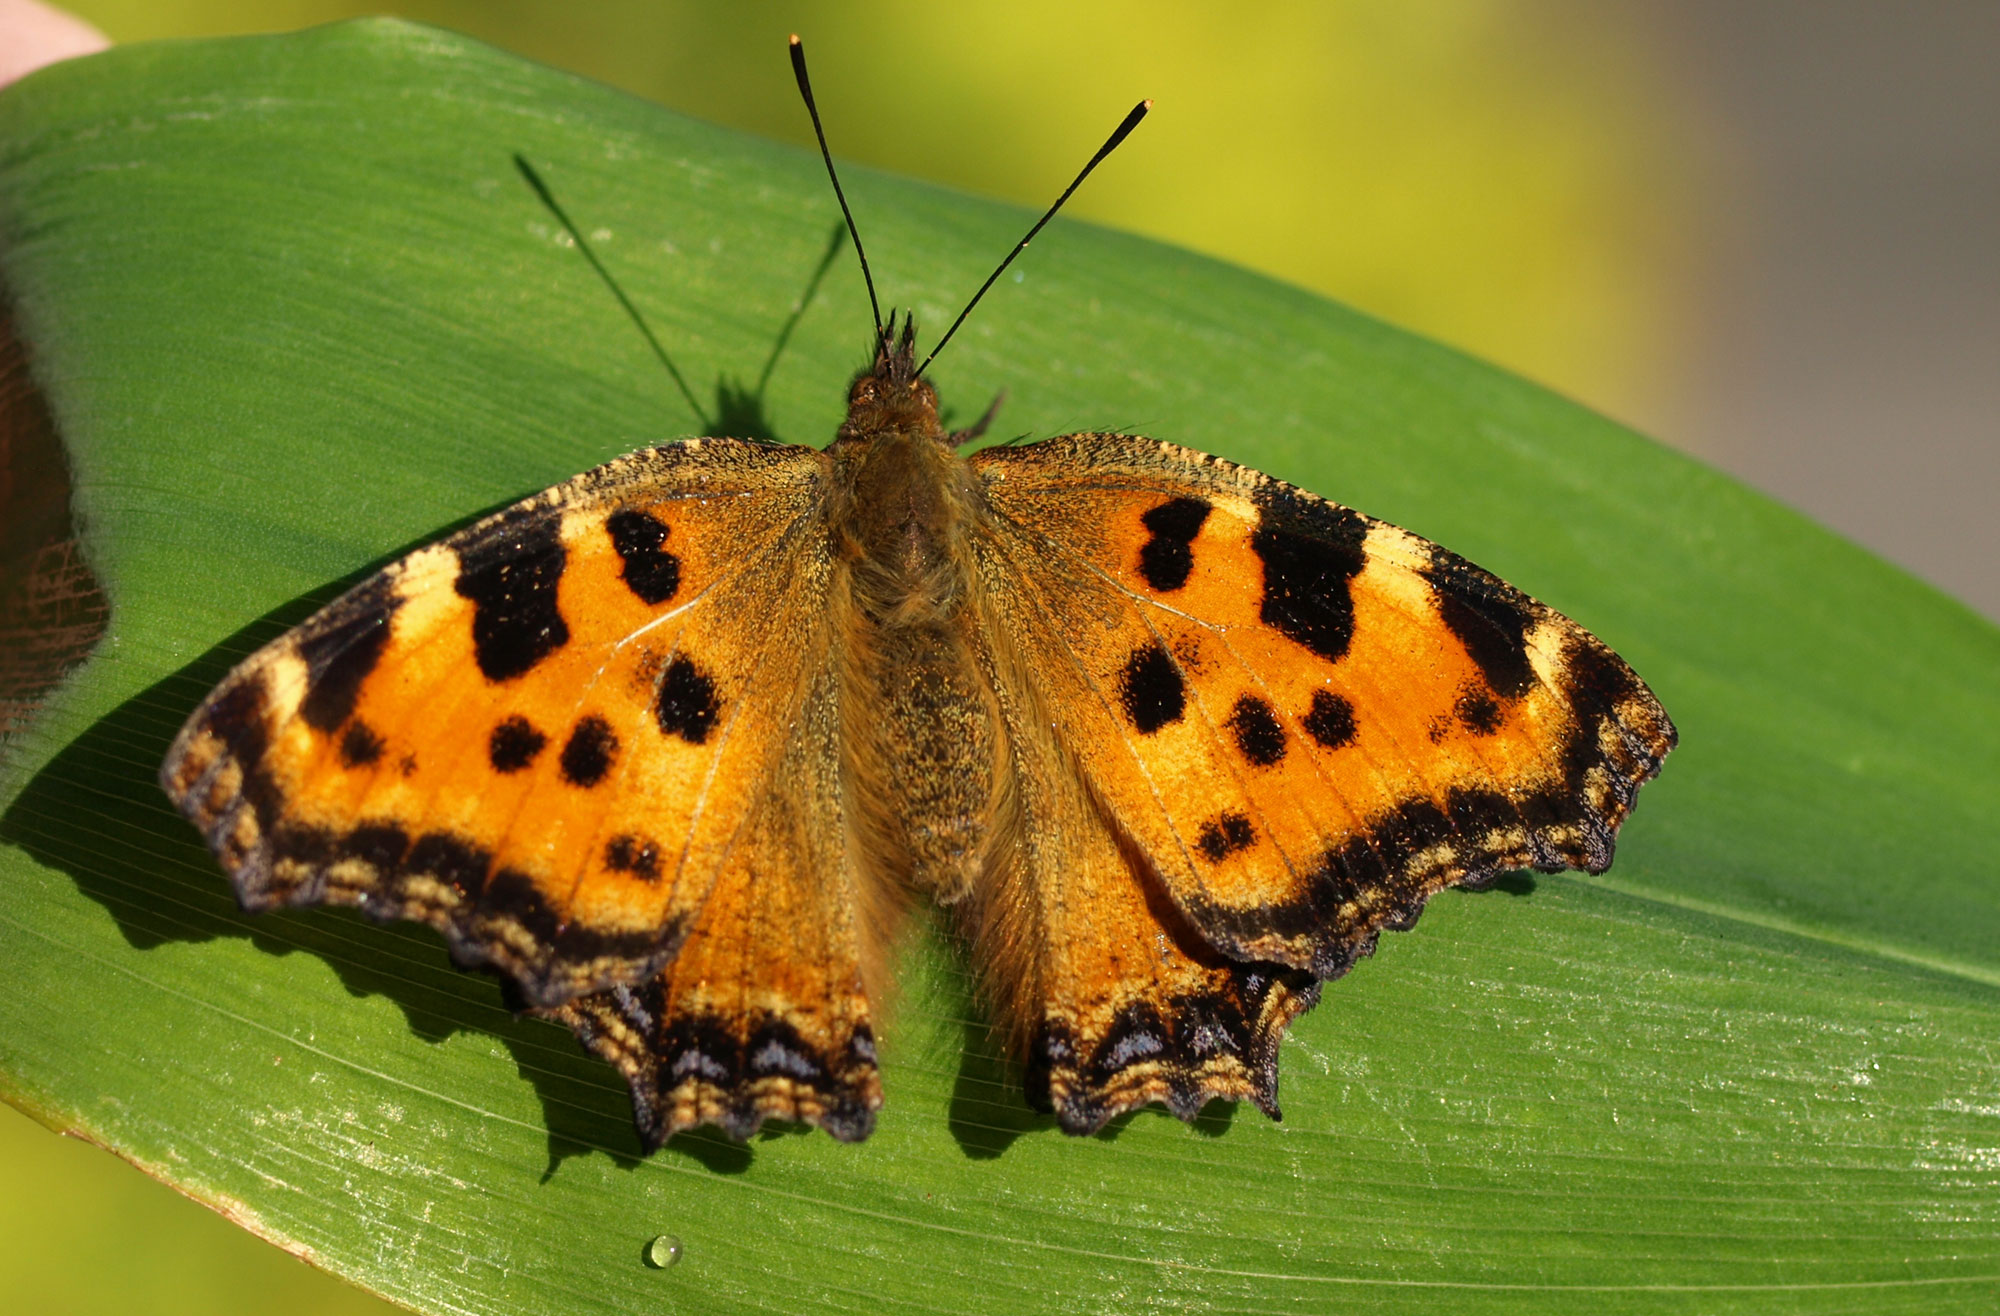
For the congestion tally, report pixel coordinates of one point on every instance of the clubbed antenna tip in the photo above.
(805, 90)
(1118, 134)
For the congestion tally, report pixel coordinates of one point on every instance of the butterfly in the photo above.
(672, 746)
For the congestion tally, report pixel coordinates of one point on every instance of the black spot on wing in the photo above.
(235, 715)
(380, 845)
(1477, 711)
(1330, 720)
(1225, 836)
(651, 572)
(360, 746)
(1258, 732)
(1310, 552)
(1166, 559)
(457, 862)
(686, 706)
(514, 745)
(342, 650)
(1151, 689)
(513, 894)
(587, 755)
(1490, 618)
(511, 572)
(1598, 681)
(632, 854)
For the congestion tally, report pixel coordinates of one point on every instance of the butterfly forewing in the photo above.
(540, 735)
(1309, 721)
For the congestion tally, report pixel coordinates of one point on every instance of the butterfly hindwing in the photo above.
(540, 735)
(1308, 720)
(1114, 1002)
(762, 1013)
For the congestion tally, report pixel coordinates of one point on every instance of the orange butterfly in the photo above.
(670, 744)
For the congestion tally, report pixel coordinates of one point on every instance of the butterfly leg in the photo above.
(959, 438)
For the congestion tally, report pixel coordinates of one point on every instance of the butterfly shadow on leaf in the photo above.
(95, 811)
(739, 408)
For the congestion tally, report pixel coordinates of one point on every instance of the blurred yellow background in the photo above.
(1763, 233)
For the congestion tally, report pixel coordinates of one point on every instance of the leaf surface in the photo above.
(293, 311)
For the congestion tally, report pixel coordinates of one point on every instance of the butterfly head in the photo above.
(890, 397)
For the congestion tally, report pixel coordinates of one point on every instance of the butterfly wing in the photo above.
(1109, 993)
(1302, 722)
(568, 737)
(763, 1013)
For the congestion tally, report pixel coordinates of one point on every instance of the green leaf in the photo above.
(293, 311)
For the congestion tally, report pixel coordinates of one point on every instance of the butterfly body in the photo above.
(904, 506)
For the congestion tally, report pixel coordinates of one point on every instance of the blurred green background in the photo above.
(1705, 219)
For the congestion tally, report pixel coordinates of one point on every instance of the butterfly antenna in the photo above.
(645, 330)
(805, 90)
(1123, 131)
